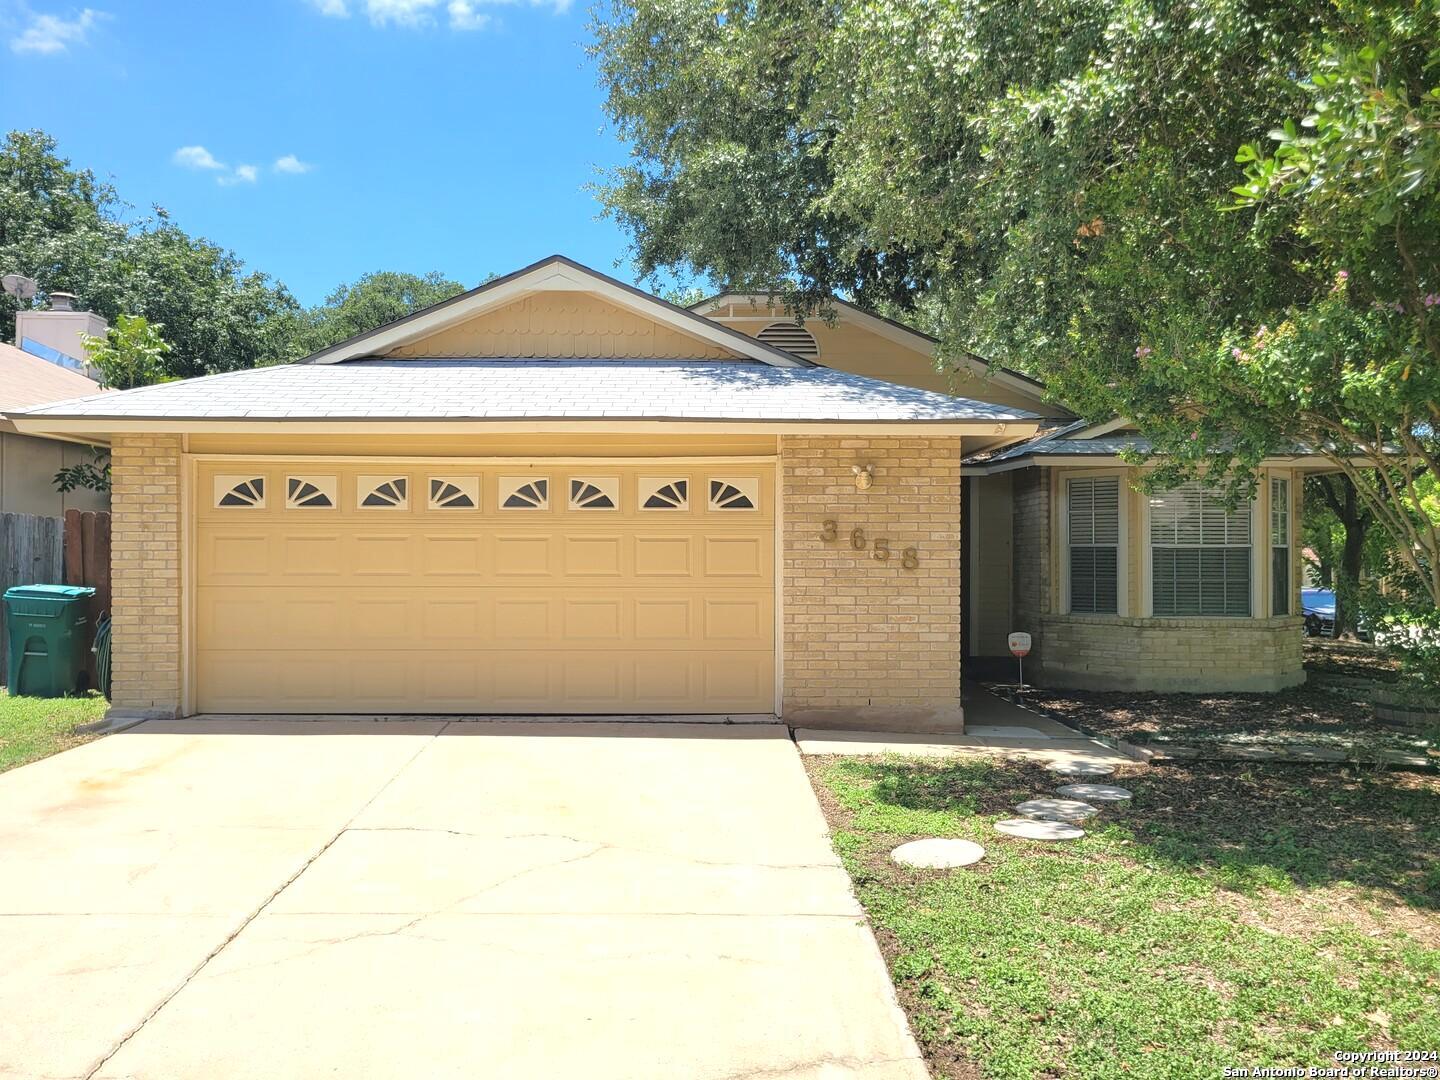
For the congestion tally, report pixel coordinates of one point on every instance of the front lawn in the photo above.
(1233, 915)
(33, 728)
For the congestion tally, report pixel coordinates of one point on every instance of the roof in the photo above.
(553, 273)
(926, 343)
(27, 381)
(525, 389)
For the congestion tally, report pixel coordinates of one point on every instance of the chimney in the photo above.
(55, 334)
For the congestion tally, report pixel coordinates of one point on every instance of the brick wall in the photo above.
(1091, 652)
(145, 574)
(1032, 526)
(869, 642)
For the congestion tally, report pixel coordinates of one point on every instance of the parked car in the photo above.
(1318, 607)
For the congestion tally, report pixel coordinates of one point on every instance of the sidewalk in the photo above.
(993, 727)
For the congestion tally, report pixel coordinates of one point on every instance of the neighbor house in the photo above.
(28, 463)
(559, 494)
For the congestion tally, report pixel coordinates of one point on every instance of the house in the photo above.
(558, 494)
(28, 463)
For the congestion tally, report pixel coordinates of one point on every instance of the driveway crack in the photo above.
(120, 1045)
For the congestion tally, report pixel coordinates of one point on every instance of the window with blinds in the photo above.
(1200, 554)
(1093, 515)
(1279, 546)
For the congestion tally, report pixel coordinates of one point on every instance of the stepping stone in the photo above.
(1057, 809)
(1030, 829)
(1081, 768)
(938, 854)
(1095, 792)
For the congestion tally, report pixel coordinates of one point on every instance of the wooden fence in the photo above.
(31, 553)
(74, 550)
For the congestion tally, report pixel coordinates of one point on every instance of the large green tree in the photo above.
(71, 232)
(1053, 183)
(375, 299)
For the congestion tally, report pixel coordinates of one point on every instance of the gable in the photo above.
(558, 325)
(690, 336)
(864, 344)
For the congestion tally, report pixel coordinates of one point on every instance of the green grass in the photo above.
(1235, 915)
(33, 728)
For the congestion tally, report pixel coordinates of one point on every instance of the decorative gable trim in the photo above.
(556, 273)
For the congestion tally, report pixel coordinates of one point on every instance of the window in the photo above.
(664, 493)
(247, 492)
(594, 492)
(310, 492)
(382, 492)
(1093, 514)
(1200, 554)
(524, 493)
(1279, 546)
(454, 492)
(734, 493)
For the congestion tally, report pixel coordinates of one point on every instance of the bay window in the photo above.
(1201, 554)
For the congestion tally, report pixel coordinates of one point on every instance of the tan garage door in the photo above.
(446, 588)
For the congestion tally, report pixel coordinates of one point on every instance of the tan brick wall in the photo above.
(1031, 547)
(1105, 652)
(145, 573)
(1095, 652)
(868, 641)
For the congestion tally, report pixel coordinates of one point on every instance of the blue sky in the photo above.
(321, 139)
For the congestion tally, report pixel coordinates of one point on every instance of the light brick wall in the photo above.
(1092, 652)
(145, 574)
(1032, 525)
(1105, 652)
(868, 641)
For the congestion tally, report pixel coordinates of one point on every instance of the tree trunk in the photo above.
(1356, 519)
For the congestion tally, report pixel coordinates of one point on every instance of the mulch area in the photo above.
(1333, 709)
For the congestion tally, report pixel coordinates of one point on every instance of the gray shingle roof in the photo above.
(532, 389)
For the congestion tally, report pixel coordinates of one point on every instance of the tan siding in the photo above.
(559, 325)
(868, 641)
(145, 573)
(27, 477)
(847, 346)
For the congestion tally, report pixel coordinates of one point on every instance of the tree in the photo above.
(71, 232)
(1333, 506)
(375, 299)
(131, 353)
(1052, 183)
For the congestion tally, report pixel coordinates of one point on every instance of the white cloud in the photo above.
(292, 164)
(48, 34)
(463, 16)
(243, 174)
(196, 157)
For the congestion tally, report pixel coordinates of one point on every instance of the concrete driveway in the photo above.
(370, 898)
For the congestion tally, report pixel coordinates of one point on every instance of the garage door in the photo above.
(525, 588)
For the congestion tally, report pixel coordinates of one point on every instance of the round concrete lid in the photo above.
(1057, 809)
(1095, 792)
(937, 853)
(1081, 768)
(1030, 829)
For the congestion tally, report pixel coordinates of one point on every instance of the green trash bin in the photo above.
(48, 634)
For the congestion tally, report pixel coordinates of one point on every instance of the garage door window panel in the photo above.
(454, 493)
(311, 492)
(524, 493)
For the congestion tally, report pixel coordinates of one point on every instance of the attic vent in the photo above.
(795, 340)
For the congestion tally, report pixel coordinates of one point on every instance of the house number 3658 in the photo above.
(830, 531)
